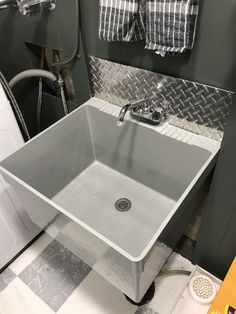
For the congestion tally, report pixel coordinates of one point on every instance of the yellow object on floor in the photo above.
(225, 301)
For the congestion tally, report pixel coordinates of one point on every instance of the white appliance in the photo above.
(16, 228)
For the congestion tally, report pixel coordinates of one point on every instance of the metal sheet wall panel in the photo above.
(195, 107)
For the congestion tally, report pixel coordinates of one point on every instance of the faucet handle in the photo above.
(159, 88)
(165, 105)
(160, 111)
(158, 114)
(160, 84)
(32, 7)
(5, 3)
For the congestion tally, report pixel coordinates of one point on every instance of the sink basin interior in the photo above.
(85, 163)
(92, 195)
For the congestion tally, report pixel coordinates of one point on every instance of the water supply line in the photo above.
(61, 85)
(33, 73)
(42, 74)
(75, 53)
(62, 93)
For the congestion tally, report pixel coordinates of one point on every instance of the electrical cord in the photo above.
(15, 106)
(77, 41)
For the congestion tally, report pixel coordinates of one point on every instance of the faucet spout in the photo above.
(5, 3)
(121, 118)
(28, 7)
(144, 110)
(125, 108)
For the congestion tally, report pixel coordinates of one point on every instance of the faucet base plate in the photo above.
(148, 119)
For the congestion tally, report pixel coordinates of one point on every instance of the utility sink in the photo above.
(108, 193)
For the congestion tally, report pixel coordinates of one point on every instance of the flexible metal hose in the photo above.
(63, 97)
(61, 85)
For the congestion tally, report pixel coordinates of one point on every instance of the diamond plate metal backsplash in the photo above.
(195, 107)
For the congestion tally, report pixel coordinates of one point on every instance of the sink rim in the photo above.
(152, 241)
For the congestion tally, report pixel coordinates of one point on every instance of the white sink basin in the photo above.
(71, 176)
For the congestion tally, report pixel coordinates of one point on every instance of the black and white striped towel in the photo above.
(122, 20)
(171, 25)
(167, 25)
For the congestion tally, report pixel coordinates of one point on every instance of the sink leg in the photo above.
(147, 297)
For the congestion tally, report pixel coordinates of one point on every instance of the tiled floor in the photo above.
(47, 279)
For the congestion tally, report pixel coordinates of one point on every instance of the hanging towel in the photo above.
(122, 20)
(170, 25)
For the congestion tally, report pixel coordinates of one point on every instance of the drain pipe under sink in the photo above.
(33, 73)
(58, 81)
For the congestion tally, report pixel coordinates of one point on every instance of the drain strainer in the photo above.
(123, 204)
(202, 289)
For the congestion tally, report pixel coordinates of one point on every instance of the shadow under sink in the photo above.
(80, 167)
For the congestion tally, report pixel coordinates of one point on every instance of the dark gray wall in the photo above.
(212, 60)
(216, 245)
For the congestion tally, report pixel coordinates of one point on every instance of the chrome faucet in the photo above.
(29, 7)
(145, 110)
(32, 7)
(125, 108)
(5, 3)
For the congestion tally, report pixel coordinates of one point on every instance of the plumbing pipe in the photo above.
(15, 106)
(63, 97)
(4, 3)
(33, 73)
(75, 53)
(62, 91)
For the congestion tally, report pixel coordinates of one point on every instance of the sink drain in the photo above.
(123, 204)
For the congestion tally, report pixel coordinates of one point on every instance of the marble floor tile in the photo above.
(95, 295)
(17, 298)
(5, 278)
(55, 274)
(146, 309)
(30, 254)
(53, 280)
